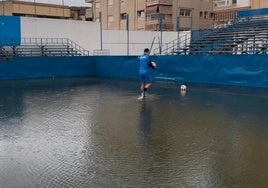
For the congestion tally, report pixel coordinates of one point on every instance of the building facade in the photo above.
(225, 10)
(32, 9)
(166, 15)
(114, 13)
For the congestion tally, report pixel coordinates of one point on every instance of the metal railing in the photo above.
(179, 46)
(99, 52)
(40, 47)
(55, 41)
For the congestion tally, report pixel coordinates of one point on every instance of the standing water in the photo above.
(89, 132)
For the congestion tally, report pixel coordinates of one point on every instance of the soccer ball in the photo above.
(183, 87)
(152, 65)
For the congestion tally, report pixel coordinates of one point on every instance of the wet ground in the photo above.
(87, 132)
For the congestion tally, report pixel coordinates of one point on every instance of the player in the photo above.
(145, 64)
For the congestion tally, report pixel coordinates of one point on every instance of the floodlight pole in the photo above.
(35, 8)
(161, 32)
(192, 27)
(63, 8)
(127, 27)
(100, 20)
(3, 7)
(178, 31)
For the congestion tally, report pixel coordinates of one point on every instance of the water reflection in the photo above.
(11, 97)
(145, 122)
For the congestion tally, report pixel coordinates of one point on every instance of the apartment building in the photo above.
(224, 10)
(33, 9)
(195, 14)
(170, 15)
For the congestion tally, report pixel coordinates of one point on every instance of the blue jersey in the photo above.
(144, 62)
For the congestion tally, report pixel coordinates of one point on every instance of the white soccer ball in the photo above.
(183, 87)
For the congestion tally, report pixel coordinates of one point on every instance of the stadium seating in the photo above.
(247, 34)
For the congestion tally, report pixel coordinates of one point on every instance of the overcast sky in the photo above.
(66, 2)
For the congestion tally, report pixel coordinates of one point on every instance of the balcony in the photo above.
(154, 25)
(158, 2)
(163, 9)
(224, 7)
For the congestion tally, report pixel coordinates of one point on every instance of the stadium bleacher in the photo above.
(248, 34)
(40, 47)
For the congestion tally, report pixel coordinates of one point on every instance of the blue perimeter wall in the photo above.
(240, 70)
(10, 30)
(46, 67)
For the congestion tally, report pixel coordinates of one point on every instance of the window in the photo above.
(110, 18)
(211, 15)
(200, 14)
(220, 4)
(185, 12)
(123, 16)
(153, 17)
(110, 2)
(123, 1)
(97, 4)
(158, 16)
(234, 1)
(140, 14)
(167, 17)
(206, 15)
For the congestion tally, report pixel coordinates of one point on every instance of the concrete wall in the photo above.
(87, 35)
(116, 41)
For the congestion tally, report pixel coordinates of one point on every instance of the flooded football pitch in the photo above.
(92, 132)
